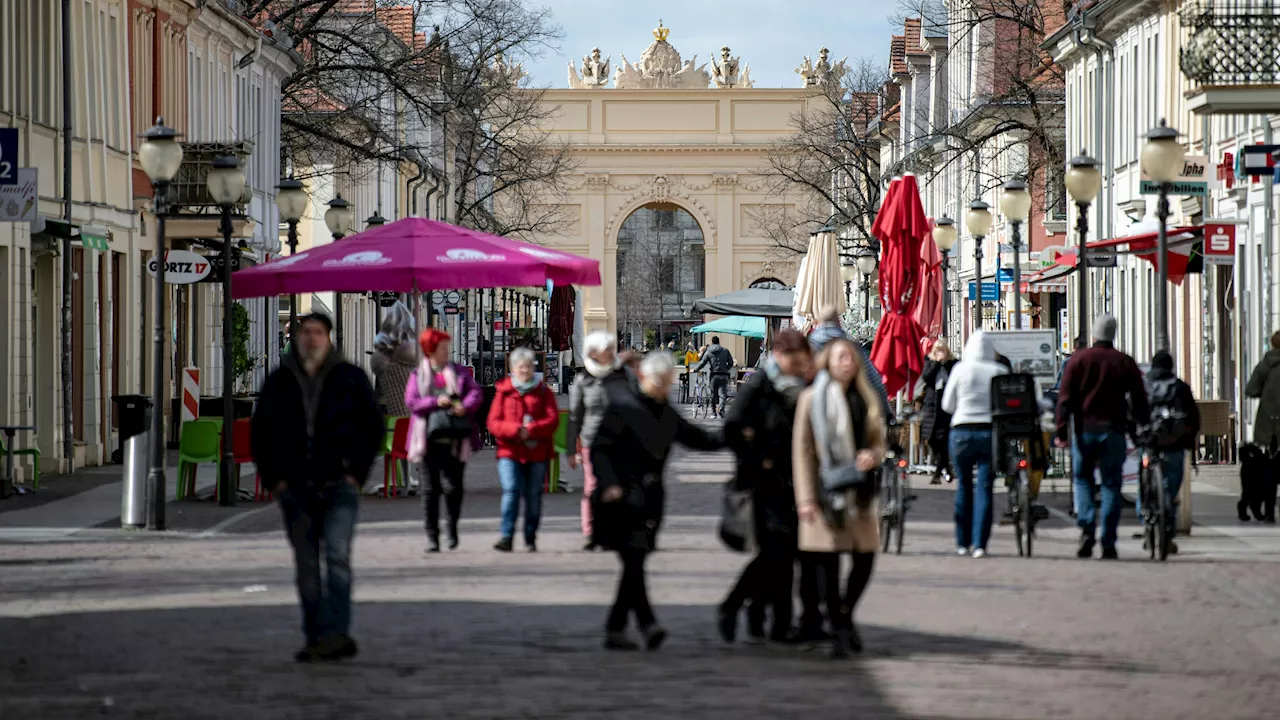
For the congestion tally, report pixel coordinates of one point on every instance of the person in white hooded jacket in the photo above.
(967, 398)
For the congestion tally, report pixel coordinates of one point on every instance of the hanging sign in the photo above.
(182, 267)
(1194, 179)
(20, 201)
(1220, 244)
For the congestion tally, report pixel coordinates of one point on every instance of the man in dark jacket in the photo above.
(719, 362)
(1172, 399)
(316, 431)
(1101, 389)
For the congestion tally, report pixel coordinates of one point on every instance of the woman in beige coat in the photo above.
(839, 425)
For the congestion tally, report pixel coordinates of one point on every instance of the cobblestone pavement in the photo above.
(196, 627)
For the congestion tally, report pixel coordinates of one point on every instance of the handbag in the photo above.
(843, 477)
(738, 519)
(444, 425)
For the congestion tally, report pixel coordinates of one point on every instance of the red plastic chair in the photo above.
(399, 452)
(242, 452)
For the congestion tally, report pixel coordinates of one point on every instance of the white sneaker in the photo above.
(962, 551)
(979, 553)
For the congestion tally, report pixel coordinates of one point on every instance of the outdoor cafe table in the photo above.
(6, 486)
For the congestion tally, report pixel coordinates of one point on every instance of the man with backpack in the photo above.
(1176, 421)
(720, 362)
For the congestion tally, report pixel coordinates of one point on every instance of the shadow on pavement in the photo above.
(443, 660)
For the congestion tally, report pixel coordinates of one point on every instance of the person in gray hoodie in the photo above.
(967, 398)
(394, 359)
(587, 401)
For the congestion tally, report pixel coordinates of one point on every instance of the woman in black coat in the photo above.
(628, 455)
(758, 428)
(935, 425)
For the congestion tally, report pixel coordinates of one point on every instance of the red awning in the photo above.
(1147, 241)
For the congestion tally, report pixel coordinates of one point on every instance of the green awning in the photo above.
(94, 238)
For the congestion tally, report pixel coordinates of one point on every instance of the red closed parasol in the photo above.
(901, 227)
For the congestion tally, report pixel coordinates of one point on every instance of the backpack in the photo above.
(1170, 425)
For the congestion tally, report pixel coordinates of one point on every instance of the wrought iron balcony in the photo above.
(190, 187)
(1232, 55)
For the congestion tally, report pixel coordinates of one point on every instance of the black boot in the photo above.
(727, 623)
(433, 543)
(1085, 549)
(453, 536)
(840, 642)
(1242, 511)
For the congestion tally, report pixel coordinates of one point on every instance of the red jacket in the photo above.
(506, 417)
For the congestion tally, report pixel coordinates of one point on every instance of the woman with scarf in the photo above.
(394, 360)
(587, 397)
(839, 440)
(523, 420)
(758, 428)
(935, 426)
(628, 455)
(442, 400)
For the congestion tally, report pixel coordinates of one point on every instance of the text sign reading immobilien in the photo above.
(1194, 179)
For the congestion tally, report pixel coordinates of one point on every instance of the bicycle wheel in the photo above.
(1026, 517)
(901, 515)
(1015, 491)
(1160, 529)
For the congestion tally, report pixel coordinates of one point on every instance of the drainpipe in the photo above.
(412, 190)
(1084, 35)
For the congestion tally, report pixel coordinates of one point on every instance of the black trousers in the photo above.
(440, 473)
(766, 582)
(719, 392)
(812, 577)
(633, 593)
(839, 604)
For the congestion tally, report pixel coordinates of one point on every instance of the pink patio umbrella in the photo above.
(901, 227)
(415, 255)
(929, 311)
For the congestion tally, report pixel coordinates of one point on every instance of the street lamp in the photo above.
(1015, 203)
(160, 156)
(867, 266)
(291, 199)
(849, 273)
(1084, 180)
(978, 222)
(226, 187)
(374, 220)
(1162, 160)
(338, 219)
(944, 236)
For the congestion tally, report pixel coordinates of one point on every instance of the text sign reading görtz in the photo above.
(182, 267)
(1194, 179)
(19, 203)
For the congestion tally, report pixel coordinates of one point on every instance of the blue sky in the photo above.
(772, 35)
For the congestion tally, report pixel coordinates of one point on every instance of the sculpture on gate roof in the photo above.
(824, 72)
(725, 73)
(595, 72)
(660, 67)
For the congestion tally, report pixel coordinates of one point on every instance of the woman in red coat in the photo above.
(523, 419)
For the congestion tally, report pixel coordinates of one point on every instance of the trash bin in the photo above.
(133, 414)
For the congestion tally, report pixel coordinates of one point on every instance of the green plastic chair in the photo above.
(200, 442)
(558, 441)
(34, 453)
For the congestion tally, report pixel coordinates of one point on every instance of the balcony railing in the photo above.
(190, 188)
(1232, 42)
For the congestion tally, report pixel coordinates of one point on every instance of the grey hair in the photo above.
(520, 355)
(599, 341)
(658, 363)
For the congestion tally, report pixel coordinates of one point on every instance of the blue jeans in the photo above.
(328, 515)
(1104, 452)
(971, 449)
(521, 480)
(1171, 471)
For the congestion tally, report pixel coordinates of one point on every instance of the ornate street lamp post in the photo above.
(867, 262)
(1015, 203)
(944, 236)
(160, 156)
(338, 219)
(226, 187)
(1162, 160)
(291, 199)
(1083, 183)
(978, 221)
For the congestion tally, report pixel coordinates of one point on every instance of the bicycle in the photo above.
(1018, 484)
(1157, 510)
(895, 495)
(1016, 435)
(701, 396)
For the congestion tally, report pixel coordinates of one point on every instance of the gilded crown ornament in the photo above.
(661, 33)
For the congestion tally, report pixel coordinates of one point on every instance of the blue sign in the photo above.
(1005, 275)
(8, 156)
(990, 291)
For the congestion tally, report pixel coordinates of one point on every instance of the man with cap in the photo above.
(1101, 390)
(316, 431)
